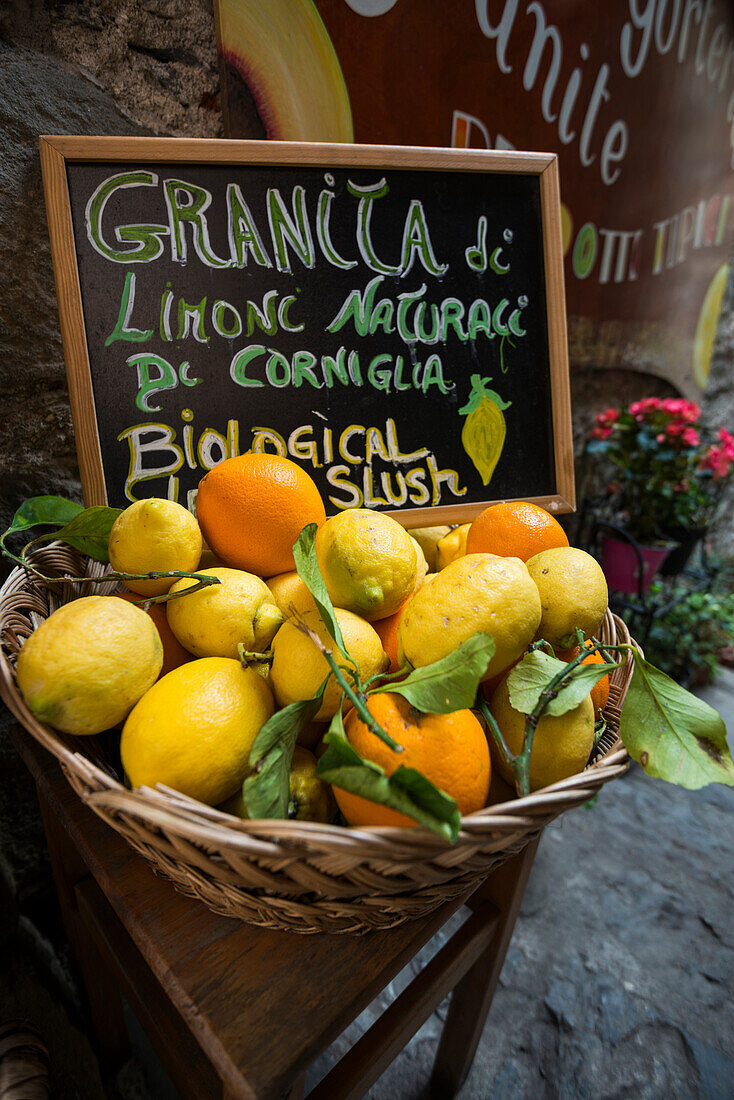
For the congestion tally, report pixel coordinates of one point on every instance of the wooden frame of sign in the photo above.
(333, 332)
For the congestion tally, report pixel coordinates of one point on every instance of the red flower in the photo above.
(690, 437)
(606, 418)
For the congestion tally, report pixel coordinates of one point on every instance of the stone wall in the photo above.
(133, 67)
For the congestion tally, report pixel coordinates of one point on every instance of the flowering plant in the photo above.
(668, 471)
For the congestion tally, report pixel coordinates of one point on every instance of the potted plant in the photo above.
(712, 468)
(667, 475)
(687, 639)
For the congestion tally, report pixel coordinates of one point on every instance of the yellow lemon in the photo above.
(573, 594)
(194, 729)
(310, 798)
(421, 571)
(290, 593)
(368, 562)
(428, 539)
(209, 559)
(478, 593)
(89, 663)
(452, 546)
(299, 668)
(154, 535)
(561, 745)
(708, 319)
(214, 620)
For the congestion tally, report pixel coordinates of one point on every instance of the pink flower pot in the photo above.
(621, 564)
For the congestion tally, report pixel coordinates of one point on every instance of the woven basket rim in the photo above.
(165, 809)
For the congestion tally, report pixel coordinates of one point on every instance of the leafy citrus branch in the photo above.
(666, 729)
(88, 531)
(535, 696)
(355, 694)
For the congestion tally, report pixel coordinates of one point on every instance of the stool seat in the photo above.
(238, 1011)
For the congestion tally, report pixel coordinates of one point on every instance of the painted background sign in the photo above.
(385, 327)
(635, 96)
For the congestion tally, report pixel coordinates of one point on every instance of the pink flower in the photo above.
(600, 433)
(722, 466)
(675, 427)
(687, 411)
(608, 417)
(727, 441)
(690, 437)
(718, 461)
(645, 405)
(660, 437)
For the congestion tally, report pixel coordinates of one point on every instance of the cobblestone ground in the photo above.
(617, 982)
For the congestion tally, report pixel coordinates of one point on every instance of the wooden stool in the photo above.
(237, 1011)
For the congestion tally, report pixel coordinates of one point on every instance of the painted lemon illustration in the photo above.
(284, 75)
(484, 431)
(708, 319)
(566, 228)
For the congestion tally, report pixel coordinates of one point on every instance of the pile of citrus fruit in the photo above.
(192, 679)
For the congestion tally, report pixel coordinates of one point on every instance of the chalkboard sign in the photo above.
(390, 318)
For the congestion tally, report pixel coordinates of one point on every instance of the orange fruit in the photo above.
(252, 508)
(174, 653)
(388, 632)
(514, 529)
(566, 655)
(489, 686)
(600, 690)
(450, 749)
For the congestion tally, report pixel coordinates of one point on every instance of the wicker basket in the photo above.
(292, 875)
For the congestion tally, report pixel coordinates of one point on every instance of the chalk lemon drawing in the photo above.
(483, 434)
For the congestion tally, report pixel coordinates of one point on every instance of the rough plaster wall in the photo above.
(104, 67)
(718, 411)
(140, 66)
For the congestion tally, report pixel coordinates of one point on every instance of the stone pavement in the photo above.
(617, 982)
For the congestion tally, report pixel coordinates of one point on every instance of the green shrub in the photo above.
(686, 640)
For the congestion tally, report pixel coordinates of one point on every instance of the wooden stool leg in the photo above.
(103, 994)
(297, 1089)
(472, 997)
(294, 1093)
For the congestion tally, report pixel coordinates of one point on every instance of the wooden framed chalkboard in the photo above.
(392, 319)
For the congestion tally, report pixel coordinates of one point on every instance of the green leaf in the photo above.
(88, 532)
(671, 733)
(42, 512)
(307, 567)
(536, 672)
(406, 790)
(449, 684)
(266, 793)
